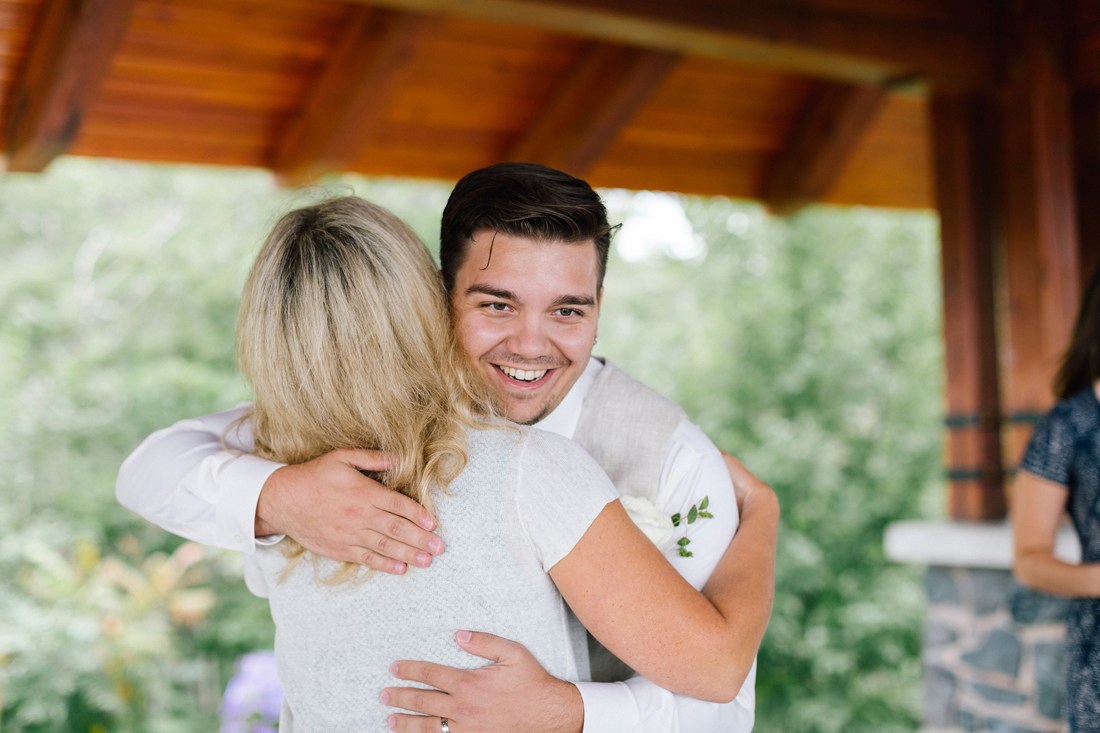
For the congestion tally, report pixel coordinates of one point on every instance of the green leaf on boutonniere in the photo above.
(683, 543)
(706, 515)
(693, 514)
(676, 519)
(704, 503)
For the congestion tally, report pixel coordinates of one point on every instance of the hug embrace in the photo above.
(433, 482)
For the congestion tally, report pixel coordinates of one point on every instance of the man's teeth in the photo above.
(524, 376)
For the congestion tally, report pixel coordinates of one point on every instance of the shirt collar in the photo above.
(564, 418)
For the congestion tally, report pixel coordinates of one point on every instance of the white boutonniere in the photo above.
(657, 526)
(648, 517)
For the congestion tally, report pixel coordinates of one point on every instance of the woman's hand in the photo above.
(333, 510)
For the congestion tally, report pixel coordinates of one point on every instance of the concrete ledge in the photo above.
(965, 544)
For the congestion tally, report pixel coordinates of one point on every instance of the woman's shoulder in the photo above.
(1079, 413)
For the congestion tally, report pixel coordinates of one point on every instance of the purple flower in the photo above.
(253, 697)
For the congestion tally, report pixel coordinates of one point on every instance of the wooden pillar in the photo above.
(1086, 158)
(967, 181)
(1041, 242)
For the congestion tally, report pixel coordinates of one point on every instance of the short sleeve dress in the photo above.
(1065, 449)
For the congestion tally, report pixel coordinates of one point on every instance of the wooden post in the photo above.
(1041, 242)
(1086, 157)
(965, 161)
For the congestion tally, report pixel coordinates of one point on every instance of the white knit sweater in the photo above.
(524, 500)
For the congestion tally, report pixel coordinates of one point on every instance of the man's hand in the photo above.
(333, 510)
(512, 695)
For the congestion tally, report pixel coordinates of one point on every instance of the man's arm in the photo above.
(183, 480)
(516, 694)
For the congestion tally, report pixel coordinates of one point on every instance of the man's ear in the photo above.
(599, 297)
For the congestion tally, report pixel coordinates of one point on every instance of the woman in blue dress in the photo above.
(1060, 472)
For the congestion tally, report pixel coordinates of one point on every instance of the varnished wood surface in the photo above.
(221, 82)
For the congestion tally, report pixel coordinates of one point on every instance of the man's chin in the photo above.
(525, 415)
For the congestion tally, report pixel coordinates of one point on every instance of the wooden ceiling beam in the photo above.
(68, 58)
(346, 106)
(857, 48)
(597, 99)
(830, 126)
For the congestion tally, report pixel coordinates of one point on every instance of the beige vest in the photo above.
(628, 429)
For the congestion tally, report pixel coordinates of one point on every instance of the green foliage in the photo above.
(809, 348)
(119, 294)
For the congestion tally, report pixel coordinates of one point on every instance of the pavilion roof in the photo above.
(788, 101)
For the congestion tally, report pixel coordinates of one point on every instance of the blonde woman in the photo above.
(344, 334)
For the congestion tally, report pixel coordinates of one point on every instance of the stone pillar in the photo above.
(993, 650)
(993, 654)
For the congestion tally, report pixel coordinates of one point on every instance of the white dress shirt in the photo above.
(196, 479)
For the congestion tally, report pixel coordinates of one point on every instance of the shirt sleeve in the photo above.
(560, 491)
(1050, 451)
(693, 471)
(184, 480)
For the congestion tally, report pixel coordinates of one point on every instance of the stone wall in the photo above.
(993, 656)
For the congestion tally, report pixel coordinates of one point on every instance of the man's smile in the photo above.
(524, 378)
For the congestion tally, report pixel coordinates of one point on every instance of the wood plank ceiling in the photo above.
(789, 101)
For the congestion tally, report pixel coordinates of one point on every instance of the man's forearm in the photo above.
(174, 480)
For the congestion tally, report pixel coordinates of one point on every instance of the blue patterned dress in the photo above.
(1065, 448)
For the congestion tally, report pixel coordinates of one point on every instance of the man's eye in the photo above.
(498, 307)
(568, 312)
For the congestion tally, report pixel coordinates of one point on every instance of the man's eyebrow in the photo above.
(564, 300)
(493, 292)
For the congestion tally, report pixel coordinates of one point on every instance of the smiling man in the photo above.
(530, 338)
(523, 254)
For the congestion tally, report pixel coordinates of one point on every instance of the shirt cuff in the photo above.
(609, 707)
(240, 481)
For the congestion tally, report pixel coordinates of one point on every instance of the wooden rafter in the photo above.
(347, 104)
(601, 95)
(853, 47)
(69, 56)
(830, 126)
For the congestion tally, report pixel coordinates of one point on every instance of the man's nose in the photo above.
(529, 339)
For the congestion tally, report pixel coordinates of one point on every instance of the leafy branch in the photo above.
(696, 512)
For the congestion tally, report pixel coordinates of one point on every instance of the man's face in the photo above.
(527, 317)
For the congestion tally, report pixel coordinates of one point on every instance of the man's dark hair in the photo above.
(522, 200)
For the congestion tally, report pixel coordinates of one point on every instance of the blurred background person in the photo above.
(1060, 472)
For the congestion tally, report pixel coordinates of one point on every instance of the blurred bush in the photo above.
(809, 347)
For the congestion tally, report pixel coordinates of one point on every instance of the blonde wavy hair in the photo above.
(345, 333)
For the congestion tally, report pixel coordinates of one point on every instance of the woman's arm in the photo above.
(630, 598)
(1037, 507)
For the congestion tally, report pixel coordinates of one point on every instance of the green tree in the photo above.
(810, 348)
